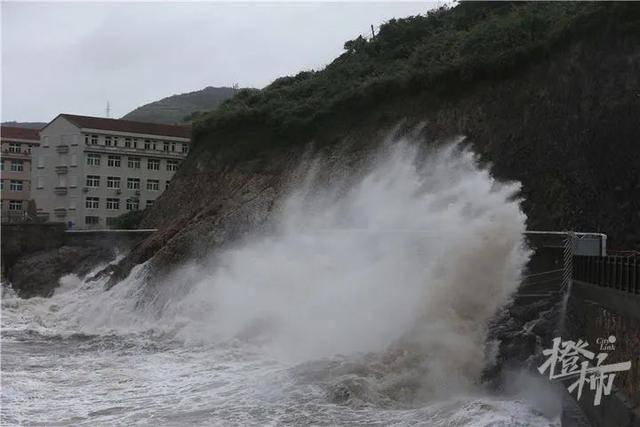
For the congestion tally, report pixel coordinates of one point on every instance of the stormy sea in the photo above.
(366, 303)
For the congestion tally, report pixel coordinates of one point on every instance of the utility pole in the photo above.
(108, 110)
(373, 34)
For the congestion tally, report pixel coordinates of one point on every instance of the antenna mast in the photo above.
(108, 109)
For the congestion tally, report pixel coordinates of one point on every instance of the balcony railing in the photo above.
(62, 149)
(60, 191)
(138, 152)
(21, 153)
(60, 212)
(62, 169)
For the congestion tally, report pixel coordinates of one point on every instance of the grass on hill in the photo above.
(437, 52)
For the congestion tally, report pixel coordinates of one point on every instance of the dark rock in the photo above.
(38, 274)
(547, 324)
(528, 312)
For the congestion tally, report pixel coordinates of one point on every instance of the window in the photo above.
(74, 159)
(153, 185)
(153, 164)
(113, 182)
(185, 148)
(153, 145)
(149, 203)
(147, 144)
(93, 181)
(113, 204)
(94, 139)
(40, 182)
(15, 205)
(173, 146)
(14, 148)
(17, 185)
(113, 161)
(135, 142)
(16, 166)
(127, 143)
(115, 141)
(133, 183)
(92, 203)
(91, 220)
(45, 141)
(165, 146)
(166, 184)
(172, 165)
(93, 159)
(134, 162)
(107, 141)
(1, 185)
(133, 204)
(73, 181)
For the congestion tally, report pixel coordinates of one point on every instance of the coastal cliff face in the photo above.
(564, 125)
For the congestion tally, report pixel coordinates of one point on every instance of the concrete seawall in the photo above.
(595, 313)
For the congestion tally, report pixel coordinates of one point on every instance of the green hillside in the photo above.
(183, 107)
(441, 52)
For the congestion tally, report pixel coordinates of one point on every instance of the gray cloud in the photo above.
(73, 57)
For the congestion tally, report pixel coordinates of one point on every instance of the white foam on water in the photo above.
(366, 303)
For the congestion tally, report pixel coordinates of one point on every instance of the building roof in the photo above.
(9, 132)
(118, 125)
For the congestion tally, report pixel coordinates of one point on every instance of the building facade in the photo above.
(17, 147)
(89, 170)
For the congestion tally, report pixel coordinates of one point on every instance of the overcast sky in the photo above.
(73, 57)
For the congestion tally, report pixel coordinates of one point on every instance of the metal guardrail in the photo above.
(617, 272)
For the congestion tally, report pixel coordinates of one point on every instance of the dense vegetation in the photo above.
(439, 52)
(129, 220)
(183, 107)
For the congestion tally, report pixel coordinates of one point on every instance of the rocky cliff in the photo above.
(558, 112)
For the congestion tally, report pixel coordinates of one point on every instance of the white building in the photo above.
(88, 170)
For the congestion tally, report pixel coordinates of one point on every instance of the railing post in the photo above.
(636, 276)
(627, 265)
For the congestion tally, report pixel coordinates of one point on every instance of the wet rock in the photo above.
(39, 274)
(528, 312)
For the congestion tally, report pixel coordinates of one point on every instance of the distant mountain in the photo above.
(28, 125)
(183, 107)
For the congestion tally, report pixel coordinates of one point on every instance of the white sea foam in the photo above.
(367, 302)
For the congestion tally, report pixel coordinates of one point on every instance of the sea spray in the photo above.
(419, 251)
(365, 303)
